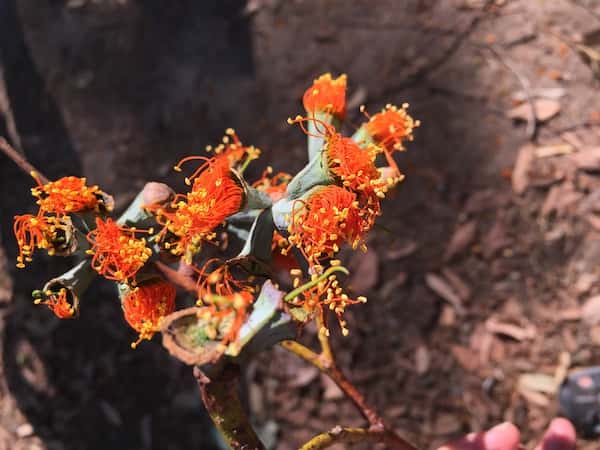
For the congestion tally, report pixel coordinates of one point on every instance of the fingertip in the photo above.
(560, 435)
(503, 436)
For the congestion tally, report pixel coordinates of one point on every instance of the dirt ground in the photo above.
(484, 266)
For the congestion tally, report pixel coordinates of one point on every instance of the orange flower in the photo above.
(230, 310)
(353, 165)
(391, 127)
(117, 253)
(330, 216)
(39, 232)
(324, 293)
(230, 154)
(58, 303)
(192, 217)
(67, 195)
(146, 305)
(219, 281)
(273, 185)
(327, 95)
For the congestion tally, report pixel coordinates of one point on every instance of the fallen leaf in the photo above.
(587, 159)
(495, 240)
(553, 150)
(545, 109)
(460, 286)
(401, 251)
(538, 382)
(520, 174)
(365, 271)
(422, 359)
(463, 236)
(513, 331)
(594, 221)
(465, 357)
(391, 286)
(590, 312)
(331, 391)
(448, 316)
(585, 282)
(438, 285)
(304, 376)
(533, 397)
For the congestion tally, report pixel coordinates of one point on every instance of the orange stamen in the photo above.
(66, 195)
(326, 95)
(145, 306)
(329, 217)
(192, 217)
(58, 303)
(117, 253)
(36, 232)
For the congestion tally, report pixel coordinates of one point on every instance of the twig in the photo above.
(348, 435)
(329, 368)
(531, 129)
(9, 118)
(20, 160)
(424, 70)
(220, 397)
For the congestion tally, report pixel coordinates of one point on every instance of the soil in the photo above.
(477, 272)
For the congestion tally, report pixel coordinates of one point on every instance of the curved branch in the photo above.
(220, 397)
(329, 368)
(347, 435)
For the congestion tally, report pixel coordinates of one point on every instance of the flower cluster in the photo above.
(287, 225)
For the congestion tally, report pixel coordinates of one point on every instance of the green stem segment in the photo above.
(312, 283)
(221, 399)
(349, 435)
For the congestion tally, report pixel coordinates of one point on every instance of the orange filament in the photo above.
(329, 217)
(219, 281)
(36, 232)
(326, 95)
(66, 195)
(230, 153)
(145, 306)
(390, 128)
(273, 185)
(58, 303)
(354, 166)
(192, 217)
(326, 294)
(117, 253)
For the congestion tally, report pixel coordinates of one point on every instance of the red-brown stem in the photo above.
(20, 160)
(220, 397)
(377, 427)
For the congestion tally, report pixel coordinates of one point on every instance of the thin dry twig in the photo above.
(347, 435)
(20, 160)
(531, 129)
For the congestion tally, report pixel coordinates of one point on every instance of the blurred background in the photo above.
(482, 273)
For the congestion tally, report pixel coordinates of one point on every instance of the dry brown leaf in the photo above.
(545, 109)
(422, 359)
(463, 236)
(438, 285)
(391, 286)
(587, 159)
(534, 397)
(538, 382)
(460, 286)
(304, 376)
(465, 357)
(594, 221)
(590, 312)
(495, 240)
(514, 331)
(401, 251)
(365, 271)
(331, 391)
(520, 174)
(553, 150)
